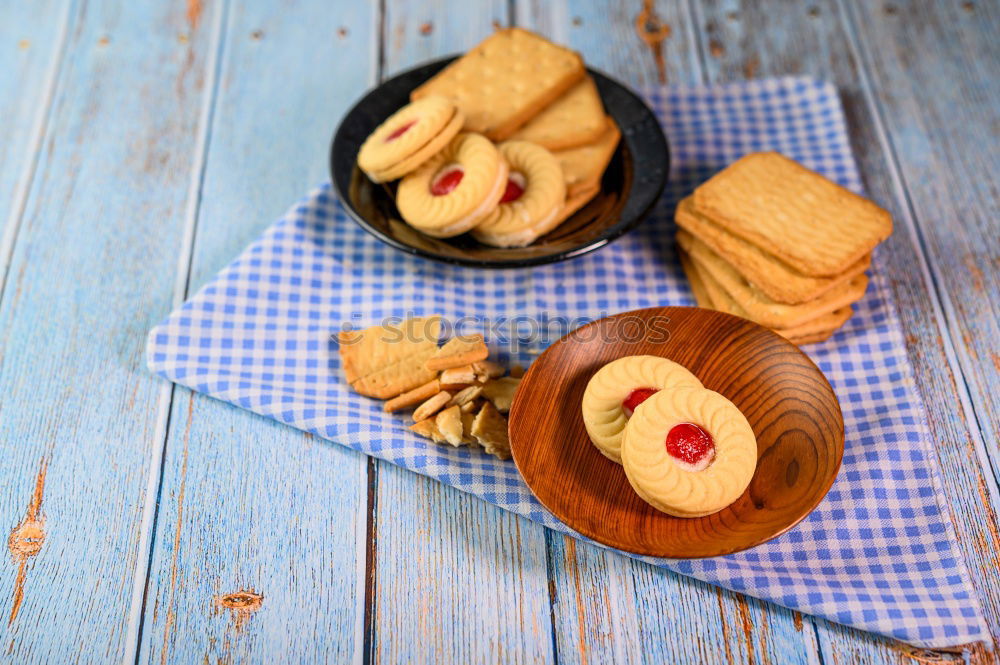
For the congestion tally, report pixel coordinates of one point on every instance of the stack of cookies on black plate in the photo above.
(505, 143)
(776, 243)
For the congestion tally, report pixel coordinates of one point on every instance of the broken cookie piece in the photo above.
(459, 351)
(449, 423)
(490, 430)
(431, 406)
(466, 395)
(486, 370)
(413, 397)
(429, 430)
(458, 376)
(501, 392)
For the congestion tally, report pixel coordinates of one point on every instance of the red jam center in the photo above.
(515, 188)
(689, 443)
(396, 133)
(635, 398)
(447, 182)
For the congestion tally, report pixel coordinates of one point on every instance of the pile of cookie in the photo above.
(458, 396)
(507, 142)
(771, 241)
(686, 450)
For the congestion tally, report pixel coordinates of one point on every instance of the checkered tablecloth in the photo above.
(879, 553)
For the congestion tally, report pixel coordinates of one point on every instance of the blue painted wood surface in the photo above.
(144, 145)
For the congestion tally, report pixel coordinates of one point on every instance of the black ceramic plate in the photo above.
(631, 185)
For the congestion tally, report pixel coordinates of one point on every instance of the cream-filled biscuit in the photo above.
(689, 452)
(456, 189)
(409, 137)
(618, 388)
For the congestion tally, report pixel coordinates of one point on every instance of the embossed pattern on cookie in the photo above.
(455, 189)
(607, 396)
(672, 467)
(404, 133)
(533, 197)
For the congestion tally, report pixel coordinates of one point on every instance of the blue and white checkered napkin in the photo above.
(878, 554)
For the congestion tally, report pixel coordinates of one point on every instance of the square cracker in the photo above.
(584, 165)
(384, 361)
(776, 279)
(811, 223)
(504, 81)
(758, 306)
(575, 119)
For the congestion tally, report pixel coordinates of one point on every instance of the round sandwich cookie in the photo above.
(689, 452)
(409, 137)
(532, 201)
(615, 391)
(456, 189)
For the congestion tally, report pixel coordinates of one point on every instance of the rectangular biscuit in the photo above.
(776, 279)
(584, 165)
(811, 223)
(505, 80)
(386, 360)
(575, 119)
(758, 306)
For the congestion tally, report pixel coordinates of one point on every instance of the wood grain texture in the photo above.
(244, 573)
(606, 34)
(91, 271)
(740, 40)
(609, 609)
(258, 552)
(455, 579)
(786, 399)
(33, 44)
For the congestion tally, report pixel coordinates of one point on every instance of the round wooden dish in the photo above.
(789, 403)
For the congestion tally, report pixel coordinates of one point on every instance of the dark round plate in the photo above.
(631, 185)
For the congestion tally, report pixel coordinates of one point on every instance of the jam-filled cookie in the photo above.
(615, 391)
(689, 452)
(454, 190)
(532, 200)
(409, 137)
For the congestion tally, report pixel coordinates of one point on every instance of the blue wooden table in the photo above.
(144, 144)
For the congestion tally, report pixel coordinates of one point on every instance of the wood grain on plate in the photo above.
(787, 400)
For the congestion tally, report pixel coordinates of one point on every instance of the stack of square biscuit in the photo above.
(517, 85)
(776, 243)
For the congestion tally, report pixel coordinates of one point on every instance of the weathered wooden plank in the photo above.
(764, 39)
(455, 579)
(413, 32)
(641, 613)
(934, 114)
(259, 543)
(621, 38)
(32, 39)
(91, 271)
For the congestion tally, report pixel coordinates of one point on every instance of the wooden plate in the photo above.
(789, 403)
